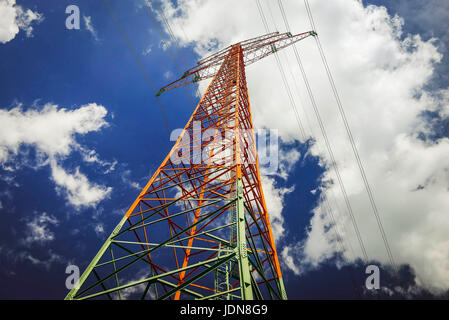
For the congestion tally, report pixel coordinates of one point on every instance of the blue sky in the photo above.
(73, 68)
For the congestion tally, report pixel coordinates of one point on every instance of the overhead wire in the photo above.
(284, 79)
(272, 17)
(152, 11)
(326, 199)
(318, 143)
(344, 245)
(175, 41)
(139, 62)
(351, 138)
(333, 162)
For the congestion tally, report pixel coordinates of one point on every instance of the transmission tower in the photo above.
(200, 228)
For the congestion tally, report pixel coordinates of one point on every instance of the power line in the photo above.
(152, 12)
(318, 142)
(351, 138)
(327, 142)
(284, 79)
(326, 205)
(138, 61)
(174, 40)
(272, 17)
(312, 133)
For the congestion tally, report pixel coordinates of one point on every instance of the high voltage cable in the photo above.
(171, 35)
(327, 142)
(326, 199)
(329, 148)
(327, 208)
(312, 134)
(351, 138)
(284, 79)
(272, 17)
(340, 240)
(175, 41)
(138, 61)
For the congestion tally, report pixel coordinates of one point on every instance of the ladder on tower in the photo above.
(227, 271)
(222, 277)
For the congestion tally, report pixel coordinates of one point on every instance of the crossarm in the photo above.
(253, 50)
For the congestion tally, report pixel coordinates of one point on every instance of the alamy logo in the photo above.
(219, 146)
(73, 20)
(373, 280)
(72, 281)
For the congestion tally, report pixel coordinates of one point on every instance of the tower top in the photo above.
(253, 49)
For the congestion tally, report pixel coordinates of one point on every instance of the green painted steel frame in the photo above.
(248, 286)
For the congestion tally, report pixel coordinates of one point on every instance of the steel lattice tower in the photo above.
(200, 228)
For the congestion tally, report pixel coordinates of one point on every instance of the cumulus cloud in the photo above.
(130, 292)
(39, 233)
(77, 188)
(46, 259)
(274, 197)
(381, 75)
(15, 18)
(52, 132)
(91, 156)
(38, 229)
(125, 176)
(287, 258)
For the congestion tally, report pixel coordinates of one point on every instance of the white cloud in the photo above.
(274, 198)
(77, 188)
(52, 132)
(168, 74)
(44, 260)
(287, 159)
(128, 293)
(99, 229)
(93, 157)
(38, 229)
(90, 27)
(164, 44)
(147, 50)
(380, 74)
(14, 18)
(126, 179)
(289, 261)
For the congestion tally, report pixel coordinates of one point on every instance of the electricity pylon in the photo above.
(200, 228)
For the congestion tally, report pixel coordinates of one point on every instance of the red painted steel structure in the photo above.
(201, 222)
